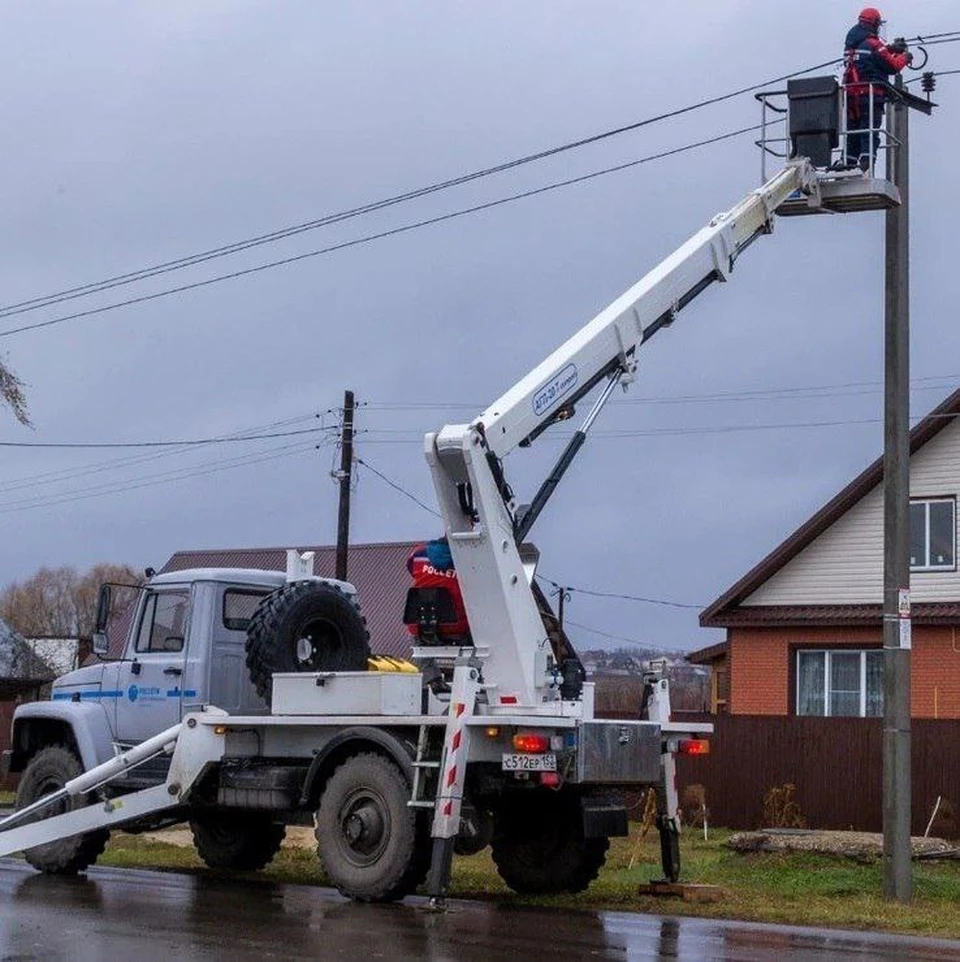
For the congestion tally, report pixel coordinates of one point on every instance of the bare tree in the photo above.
(11, 394)
(58, 602)
(87, 590)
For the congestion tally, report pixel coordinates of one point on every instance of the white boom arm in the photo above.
(465, 458)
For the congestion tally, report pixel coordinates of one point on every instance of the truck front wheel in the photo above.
(539, 847)
(241, 841)
(47, 772)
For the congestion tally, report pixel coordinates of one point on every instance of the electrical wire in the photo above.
(180, 474)
(379, 235)
(189, 443)
(74, 473)
(397, 487)
(619, 597)
(933, 382)
(191, 260)
(606, 634)
(412, 435)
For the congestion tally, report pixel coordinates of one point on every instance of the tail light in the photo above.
(694, 746)
(531, 744)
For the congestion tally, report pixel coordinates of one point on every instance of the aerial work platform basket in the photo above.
(815, 110)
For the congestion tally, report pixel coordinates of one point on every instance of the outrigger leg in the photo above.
(453, 769)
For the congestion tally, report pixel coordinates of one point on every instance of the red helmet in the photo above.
(871, 16)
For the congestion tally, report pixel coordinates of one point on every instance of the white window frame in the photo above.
(926, 502)
(827, 653)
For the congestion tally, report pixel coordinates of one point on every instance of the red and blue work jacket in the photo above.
(868, 60)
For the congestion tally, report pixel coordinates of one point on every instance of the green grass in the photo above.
(7, 798)
(794, 888)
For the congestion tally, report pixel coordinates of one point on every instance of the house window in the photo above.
(840, 683)
(933, 535)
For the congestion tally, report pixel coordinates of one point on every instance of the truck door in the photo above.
(150, 683)
(230, 685)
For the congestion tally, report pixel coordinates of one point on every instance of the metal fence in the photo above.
(835, 765)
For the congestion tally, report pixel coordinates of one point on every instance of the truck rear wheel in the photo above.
(305, 626)
(539, 847)
(372, 844)
(241, 841)
(48, 771)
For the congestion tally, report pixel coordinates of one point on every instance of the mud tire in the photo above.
(539, 847)
(305, 626)
(49, 770)
(373, 846)
(238, 841)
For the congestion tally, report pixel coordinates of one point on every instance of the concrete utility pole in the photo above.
(897, 866)
(344, 476)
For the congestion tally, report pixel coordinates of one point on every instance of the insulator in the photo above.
(928, 82)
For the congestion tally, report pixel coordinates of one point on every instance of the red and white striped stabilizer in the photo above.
(453, 769)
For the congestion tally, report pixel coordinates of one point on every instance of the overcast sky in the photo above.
(135, 133)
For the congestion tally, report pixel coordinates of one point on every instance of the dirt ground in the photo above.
(297, 837)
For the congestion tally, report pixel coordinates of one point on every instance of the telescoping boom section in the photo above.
(482, 519)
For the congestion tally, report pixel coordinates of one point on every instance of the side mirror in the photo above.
(100, 641)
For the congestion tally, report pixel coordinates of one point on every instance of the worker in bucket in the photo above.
(431, 566)
(868, 65)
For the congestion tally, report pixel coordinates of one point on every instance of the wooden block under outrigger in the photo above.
(682, 890)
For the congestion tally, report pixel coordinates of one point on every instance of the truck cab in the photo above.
(184, 648)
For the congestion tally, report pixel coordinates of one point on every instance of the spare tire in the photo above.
(305, 626)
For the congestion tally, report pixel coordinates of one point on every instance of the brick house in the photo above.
(804, 626)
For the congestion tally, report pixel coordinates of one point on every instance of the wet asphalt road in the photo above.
(146, 916)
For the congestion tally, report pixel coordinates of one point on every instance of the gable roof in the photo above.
(724, 611)
(20, 668)
(378, 571)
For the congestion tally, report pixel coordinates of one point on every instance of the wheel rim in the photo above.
(364, 823)
(319, 645)
(48, 786)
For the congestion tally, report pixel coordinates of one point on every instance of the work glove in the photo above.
(898, 46)
(909, 57)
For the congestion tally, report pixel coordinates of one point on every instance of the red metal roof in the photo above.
(379, 572)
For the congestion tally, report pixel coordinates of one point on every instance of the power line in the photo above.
(619, 597)
(191, 260)
(98, 467)
(380, 235)
(931, 382)
(189, 443)
(398, 487)
(179, 474)
(607, 634)
(614, 434)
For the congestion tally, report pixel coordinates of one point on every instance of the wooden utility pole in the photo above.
(345, 476)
